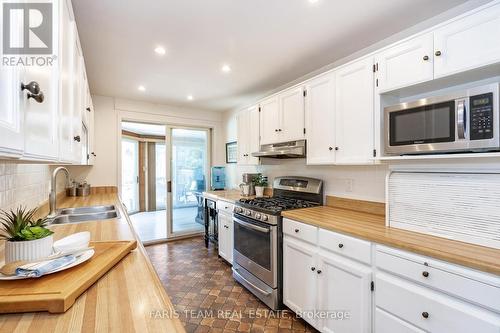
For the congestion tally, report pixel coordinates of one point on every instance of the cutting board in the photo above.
(57, 292)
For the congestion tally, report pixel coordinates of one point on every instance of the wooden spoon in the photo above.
(10, 268)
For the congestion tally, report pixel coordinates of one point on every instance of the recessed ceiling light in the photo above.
(190, 97)
(226, 68)
(160, 50)
(141, 88)
(313, 1)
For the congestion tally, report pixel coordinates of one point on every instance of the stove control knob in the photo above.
(238, 209)
(248, 213)
(257, 216)
(264, 217)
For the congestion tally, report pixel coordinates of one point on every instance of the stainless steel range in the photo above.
(258, 236)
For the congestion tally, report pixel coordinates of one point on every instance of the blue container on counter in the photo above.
(218, 178)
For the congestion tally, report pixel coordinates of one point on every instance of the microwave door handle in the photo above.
(461, 124)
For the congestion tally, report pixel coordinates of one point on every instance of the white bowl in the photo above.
(72, 242)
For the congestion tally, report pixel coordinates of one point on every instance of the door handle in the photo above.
(251, 226)
(169, 186)
(461, 119)
(265, 293)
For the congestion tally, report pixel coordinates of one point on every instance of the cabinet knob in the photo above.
(297, 230)
(426, 57)
(313, 269)
(330, 148)
(336, 148)
(77, 138)
(225, 226)
(279, 130)
(319, 271)
(425, 274)
(425, 315)
(38, 97)
(88, 109)
(341, 245)
(93, 154)
(276, 130)
(438, 53)
(33, 87)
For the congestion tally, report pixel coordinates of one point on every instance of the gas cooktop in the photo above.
(275, 205)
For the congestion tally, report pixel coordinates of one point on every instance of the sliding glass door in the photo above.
(189, 176)
(130, 174)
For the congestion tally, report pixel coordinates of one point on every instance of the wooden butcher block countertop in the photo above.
(128, 298)
(372, 227)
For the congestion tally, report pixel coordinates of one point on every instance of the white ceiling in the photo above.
(268, 43)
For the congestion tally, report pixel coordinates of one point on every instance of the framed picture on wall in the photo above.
(231, 152)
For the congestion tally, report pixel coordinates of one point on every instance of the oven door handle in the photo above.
(251, 226)
(461, 119)
(265, 293)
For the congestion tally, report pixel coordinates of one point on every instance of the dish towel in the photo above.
(41, 268)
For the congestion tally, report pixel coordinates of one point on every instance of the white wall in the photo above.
(109, 112)
(356, 182)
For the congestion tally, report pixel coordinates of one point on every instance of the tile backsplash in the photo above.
(23, 184)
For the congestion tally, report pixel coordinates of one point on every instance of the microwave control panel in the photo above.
(481, 117)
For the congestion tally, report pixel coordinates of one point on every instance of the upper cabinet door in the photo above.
(269, 120)
(253, 135)
(468, 43)
(11, 117)
(405, 64)
(242, 120)
(354, 112)
(41, 118)
(292, 115)
(320, 120)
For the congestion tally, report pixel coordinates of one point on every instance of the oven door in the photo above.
(417, 128)
(256, 249)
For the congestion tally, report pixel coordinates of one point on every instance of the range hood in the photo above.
(291, 149)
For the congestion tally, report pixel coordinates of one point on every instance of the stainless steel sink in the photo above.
(86, 210)
(82, 214)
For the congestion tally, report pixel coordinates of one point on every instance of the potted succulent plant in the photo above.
(260, 183)
(26, 238)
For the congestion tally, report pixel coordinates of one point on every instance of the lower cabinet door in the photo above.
(225, 237)
(344, 295)
(299, 278)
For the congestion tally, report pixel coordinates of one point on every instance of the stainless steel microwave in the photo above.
(463, 121)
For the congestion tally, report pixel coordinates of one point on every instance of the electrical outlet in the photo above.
(349, 183)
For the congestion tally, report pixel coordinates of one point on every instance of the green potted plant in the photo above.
(260, 183)
(26, 238)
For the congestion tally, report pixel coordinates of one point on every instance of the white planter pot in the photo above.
(259, 191)
(28, 250)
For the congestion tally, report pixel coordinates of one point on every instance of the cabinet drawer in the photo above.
(448, 278)
(351, 247)
(386, 322)
(301, 231)
(430, 310)
(224, 206)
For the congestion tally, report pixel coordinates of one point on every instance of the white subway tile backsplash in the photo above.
(23, 185)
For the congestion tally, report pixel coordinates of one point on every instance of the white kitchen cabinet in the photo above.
(404, 64)
(291, 115)
(282, 117)
(269, 120)
(91, 128)
(299, 275)
(225, 223)
(248, 136)
(320, 120)
(11, 116)
(344, 286)
(354, 113)
(468, 43)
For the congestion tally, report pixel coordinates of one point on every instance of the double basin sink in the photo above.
(82, 214)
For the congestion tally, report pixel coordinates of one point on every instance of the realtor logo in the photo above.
(27, 28)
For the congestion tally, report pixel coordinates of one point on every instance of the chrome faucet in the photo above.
(53, 192)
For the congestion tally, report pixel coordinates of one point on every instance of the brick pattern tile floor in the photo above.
(207, 298)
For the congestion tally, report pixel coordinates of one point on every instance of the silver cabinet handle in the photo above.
(461, 119)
